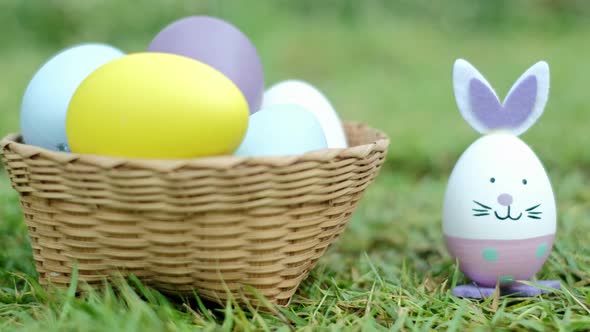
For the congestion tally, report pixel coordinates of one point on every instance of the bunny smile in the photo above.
(508, 216)
(482, 210)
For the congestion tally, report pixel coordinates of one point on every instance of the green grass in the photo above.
(387, 65)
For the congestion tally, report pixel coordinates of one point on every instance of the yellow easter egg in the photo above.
(156, 106)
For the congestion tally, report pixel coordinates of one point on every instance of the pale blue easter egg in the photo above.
(281, 130)
(47, 97)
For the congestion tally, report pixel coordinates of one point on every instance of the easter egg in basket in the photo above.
(282, 130)
(219, 44)
(156, 106)
(48, 94)
(305, 95)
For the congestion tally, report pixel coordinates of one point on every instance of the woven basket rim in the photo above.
(12, 142)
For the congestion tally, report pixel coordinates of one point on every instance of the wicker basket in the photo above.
(211, 225)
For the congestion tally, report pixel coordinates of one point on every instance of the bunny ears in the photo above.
(482, 109)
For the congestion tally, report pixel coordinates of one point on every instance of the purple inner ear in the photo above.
(517, 107)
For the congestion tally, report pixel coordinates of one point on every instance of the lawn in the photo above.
(385, 63)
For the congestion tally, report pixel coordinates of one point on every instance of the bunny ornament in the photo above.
(499, 214)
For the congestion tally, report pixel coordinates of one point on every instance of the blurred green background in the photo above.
(386, 63)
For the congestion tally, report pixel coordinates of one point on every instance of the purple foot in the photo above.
(516, 289)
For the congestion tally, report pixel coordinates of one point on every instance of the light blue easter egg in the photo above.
(281, 130)
(46, 99)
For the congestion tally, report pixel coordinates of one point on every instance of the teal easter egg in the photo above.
(281, 130)
(47, 97)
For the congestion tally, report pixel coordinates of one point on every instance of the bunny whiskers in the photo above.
(532, 213)
(483, 210)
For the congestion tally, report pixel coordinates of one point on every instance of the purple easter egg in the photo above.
(220, 45)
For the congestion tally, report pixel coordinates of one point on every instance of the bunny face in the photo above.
(499, 191)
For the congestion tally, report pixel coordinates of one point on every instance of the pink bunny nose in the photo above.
(505, 199)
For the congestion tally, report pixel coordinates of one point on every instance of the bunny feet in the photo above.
(515, 289)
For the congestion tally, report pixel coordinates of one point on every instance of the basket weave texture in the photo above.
(211, 225)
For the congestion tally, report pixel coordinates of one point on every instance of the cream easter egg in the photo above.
(156, 106)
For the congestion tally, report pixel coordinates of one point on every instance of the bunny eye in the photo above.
(524, 181)
(492, 180)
